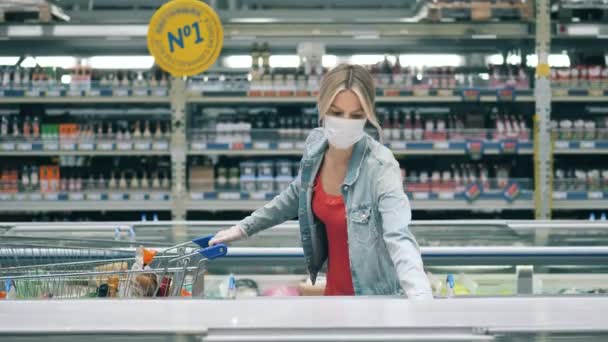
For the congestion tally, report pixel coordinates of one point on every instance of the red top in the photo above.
(330, 210)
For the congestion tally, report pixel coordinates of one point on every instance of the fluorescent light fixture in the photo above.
(254, 20)
(100, 30)
(557, 61)
(8, 60)
(495, 59)
(65, 62)
(431, 60)
(237, 61)
(483, 36)
(366, 36)
(29, 62)
(284, 61)
(583, 30)
(370, 59)
(514, 59)
(121, 62)
(484, 76)
(24, 31)
(66, 79)
(329, 61)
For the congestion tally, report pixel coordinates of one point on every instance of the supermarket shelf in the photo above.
(82, 147)
(85, 99)
(217, 201)
(82, 153)
(580, 200)
(581, 147)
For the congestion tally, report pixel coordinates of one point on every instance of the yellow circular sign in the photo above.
(185, 37)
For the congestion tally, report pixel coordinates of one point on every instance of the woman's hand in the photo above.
(231, 234)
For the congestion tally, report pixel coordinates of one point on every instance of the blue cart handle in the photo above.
(203, 241)
(210, 252)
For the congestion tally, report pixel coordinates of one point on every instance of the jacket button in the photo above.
(345, 187)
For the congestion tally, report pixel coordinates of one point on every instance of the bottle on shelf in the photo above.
(36, 128)
(101, 182)
(418, 130)
(147, 133)
(408, 132)
(112, 184)
(137, 130)
(34, 178)
(16, 132)
(122, 183)
(25, 179)
(155, 181)
(3, 126)
(158, 132)
(135, 183)
(144, 183)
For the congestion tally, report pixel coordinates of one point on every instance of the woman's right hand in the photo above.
(231, 234)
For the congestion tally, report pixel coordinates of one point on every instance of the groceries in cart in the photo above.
(176, 271)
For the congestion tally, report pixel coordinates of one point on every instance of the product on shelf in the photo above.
(581, 180)
(580, 76)
(579, 129)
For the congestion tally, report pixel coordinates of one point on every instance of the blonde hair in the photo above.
(349, 77)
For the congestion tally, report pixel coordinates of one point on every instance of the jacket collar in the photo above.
(317, 149)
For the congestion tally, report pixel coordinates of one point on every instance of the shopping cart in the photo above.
(123, 272)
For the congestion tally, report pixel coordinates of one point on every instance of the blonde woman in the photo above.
(349, 199)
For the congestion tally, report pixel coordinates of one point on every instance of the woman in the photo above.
(349, 199)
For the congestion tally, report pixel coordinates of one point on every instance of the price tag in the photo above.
(8, 147)
(138, 196)
(595, 195)
(141, 92)
(590, 145)
(160, 146)
(441, 145)
(421, 195)
(258, 195)
(124, 146)
(507, 94)
(117, 196)
(161, 196)
(285, 145)
(261, 145)
(74, 93)
(562, 145)
(68, 146)
(446, 195)
(121, 92)
(142, 146)
(105, 146)
(300, 145)
(76, 196)
(197, 196)
(198, 146)
(33, 93)
(229, 196)
(560, 195)
(35, 196)
(237, 146)
(51, 197)
(53, 93)
(20, 197)
(24, 147)
(50, 146)
(94, 196)
(86, 146)
(4, 196)
(94, 92)
(160, 92)
(473, 95)
(398, 145)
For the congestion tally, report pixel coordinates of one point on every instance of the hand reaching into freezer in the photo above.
(231, 234)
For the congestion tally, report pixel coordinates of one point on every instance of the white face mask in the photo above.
(343, 133)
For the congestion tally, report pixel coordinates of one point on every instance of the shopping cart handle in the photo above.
(203, 241)
(215, 251)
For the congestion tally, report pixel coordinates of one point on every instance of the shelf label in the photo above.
(117, 196)
(4, 196)
(421, 195)
(33, 93)
(142, 146)
(472, 95)
(398, 145)
(160, 92)
(441, 145)
(68, 146)
(8, 146)
(121, 92)
(509, 147)
(125, 146)
(196, 196)
(94, 196)
(36, 196)
(285, 145)
(105, 146)
(505, 95)
(86, 146)
(20, 197)
(76, 196)
(198, 146)
(560, 195)
(590, 145)
(258, 195)
(161, 196)
(512, 191)
(138, 196)
(141, 92)
(475, 149)
(24, 147)
(53, 93)
(74, 93)
(50, 146)
(472, 192)
(562, 145)
(160, 146)
(595, 195)
(261, 145)
(51, 197)
(237, 146)
(300, 145)
(446, 195)
(94, 92)
(229, 195)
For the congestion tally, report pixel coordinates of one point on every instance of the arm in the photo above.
(282, 208)
(396, 214)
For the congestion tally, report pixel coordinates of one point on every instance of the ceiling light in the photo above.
(9, 60)
(237, 61)
(29, 62)
(65, 62)
(254, 20)
(284, 61)
(121, 62)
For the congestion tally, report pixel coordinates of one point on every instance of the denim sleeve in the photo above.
(282, 208)
(394, 209)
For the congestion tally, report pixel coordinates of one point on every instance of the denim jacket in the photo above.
(384, 255)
